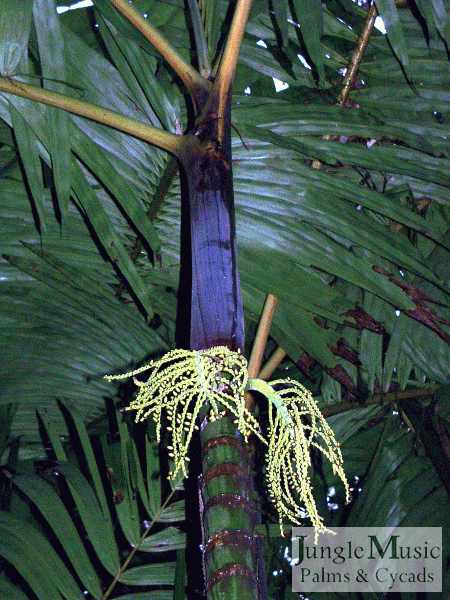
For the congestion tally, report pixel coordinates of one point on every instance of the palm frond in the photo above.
(87, 514)
(356, 251)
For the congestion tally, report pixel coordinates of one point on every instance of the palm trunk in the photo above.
(227, 511)
(231, 552)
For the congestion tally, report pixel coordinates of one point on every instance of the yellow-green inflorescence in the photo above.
(289, 456)
(182, 381)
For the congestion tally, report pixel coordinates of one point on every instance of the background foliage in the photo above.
(356, 252)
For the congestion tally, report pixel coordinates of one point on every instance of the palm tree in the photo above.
(341, 215)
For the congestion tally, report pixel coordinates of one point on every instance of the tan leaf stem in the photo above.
(352, 68)
(188, 75)
(357, 56)
(262, 333)
(175, 144)
(228, 61)
(272, 364)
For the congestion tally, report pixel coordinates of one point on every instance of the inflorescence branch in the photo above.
(184, 381)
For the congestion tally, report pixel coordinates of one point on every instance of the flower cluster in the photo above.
(181, 382)
(184, 381)
(289, 456)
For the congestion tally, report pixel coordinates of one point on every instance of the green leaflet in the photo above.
(54, 69)
(108, 236)
(50, 505)
(280, 8)
(28, 145)
(310, 18)
(23, 547)
(8, 591)
(15, 23)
